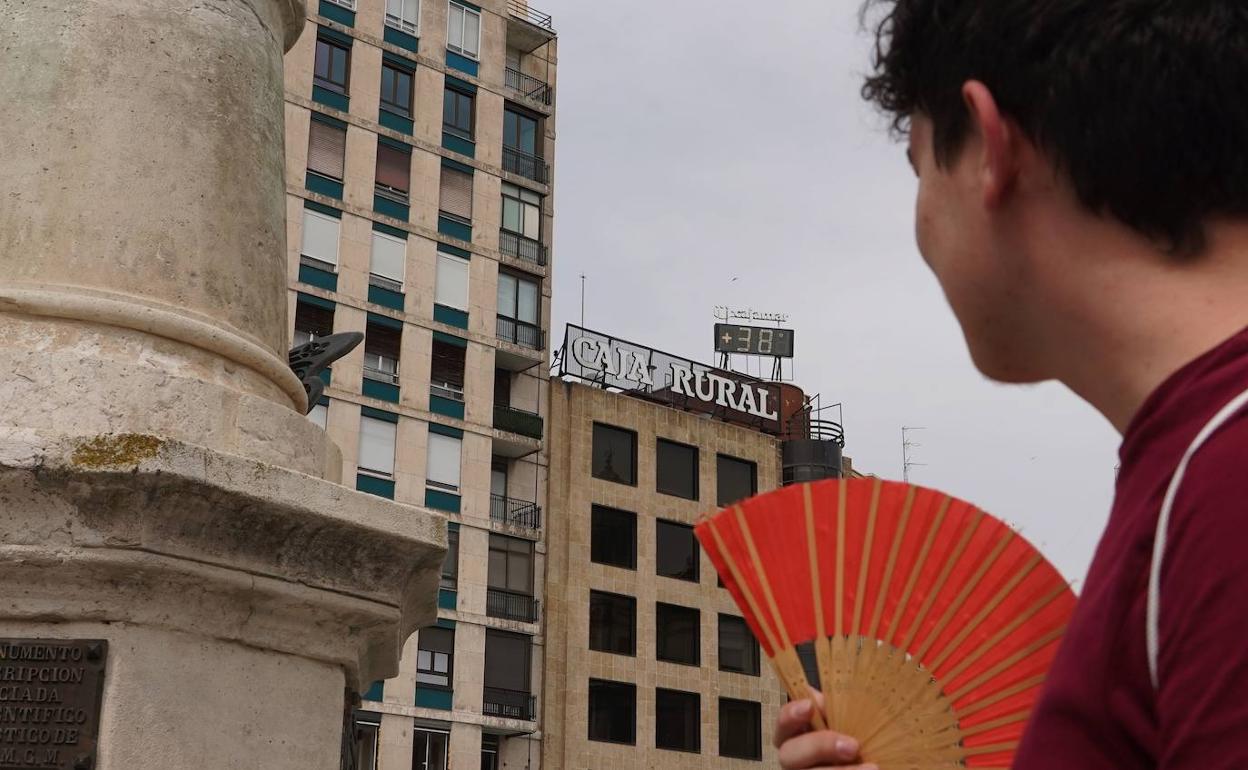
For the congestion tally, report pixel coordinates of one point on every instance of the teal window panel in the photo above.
(322, 279)
(450, 339)
(383, 391)
(462, 85)
(445, 430)
(446, 406)
(388, 230)
(450, 316)
(455, 250)
(401, 39)
(464, 167)
(321, 208)
(323, 185)
(315, 301)
(448, 599)
(394, 122)
(344, 16)
(442, 501)
(378, 414)
(433, 699)
(385, 297)
(386, 321)
(375, 486)
(326, 376)
(462, 63)
(374, 691)
(331, 98)
(390, 208)
(451, 228)
(459, 144)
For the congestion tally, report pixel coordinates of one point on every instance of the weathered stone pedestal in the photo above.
(160, 488)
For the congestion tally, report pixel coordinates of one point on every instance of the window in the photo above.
(429, 749)
(489, 752)
(507, 670)
(311, 322)
(446, 377)
(511, 565)
(738, 649)
(612, 712)
(442, 468)
(396, 89)
(319, 415)
(450, 565)
(502, 387)
(457, 110)
(677, 552)
(320, 240)
(403, 15)
(451, 284)
(381, 353)
(387, 261)
(677, 720)
(455, 197)
(735, 480)
(394, 172)
(463, 30)
(614, 454)
(740, 729)
(377, 446)
(679, 637)
(520, 132)
(367, 725)
(612, 623)
(676, 469)
(333, 62)
(327, 148)
(522, 211)
(613, 537)
(435, 649)
(518, 306)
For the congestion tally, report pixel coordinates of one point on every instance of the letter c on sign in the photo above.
(584, 350)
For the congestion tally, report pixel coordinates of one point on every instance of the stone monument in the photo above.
(184, 582)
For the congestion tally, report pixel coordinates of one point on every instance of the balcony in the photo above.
(520, 333)
(527, 28)
(518, 421)
(509, 704)
(527, 86)
(506, 605)
(523, 164)
(520, 247)
(515, 513)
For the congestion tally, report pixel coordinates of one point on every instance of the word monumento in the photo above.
(50, 692)
(711, 388)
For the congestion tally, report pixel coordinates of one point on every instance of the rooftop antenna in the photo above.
(906, 446)
(582, 300)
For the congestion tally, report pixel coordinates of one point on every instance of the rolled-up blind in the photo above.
(327, 146)
(393, 167)
(456, 197)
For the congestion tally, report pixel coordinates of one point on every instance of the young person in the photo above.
(1083, 202)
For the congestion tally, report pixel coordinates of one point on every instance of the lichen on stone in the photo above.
(110, 451)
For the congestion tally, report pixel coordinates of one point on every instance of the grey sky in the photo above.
(698, 144)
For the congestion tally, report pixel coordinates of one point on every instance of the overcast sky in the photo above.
(698, 145)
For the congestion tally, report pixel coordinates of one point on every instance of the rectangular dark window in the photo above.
(333, 63)
(311, 322)
(614, 455)
(735, 480)
(612, 712)
(676, 469)
(435, 651)
(679, 634)
(396, 90)
(613, 537)
(455, 194)
(327, 149)
(677, 554)
(450, 565)
(520, 132)
(429, 749)
(507, 661)
(511, 564)
(740, 729)
(381, 353)
(367, 725)
(446, 371)
(612, 623)
(457, 110)
(394, 172)
(677, 720)
(738, 649)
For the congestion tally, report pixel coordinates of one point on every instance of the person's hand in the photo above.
(803, 748)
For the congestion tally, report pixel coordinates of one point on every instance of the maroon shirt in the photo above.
(1099, 709)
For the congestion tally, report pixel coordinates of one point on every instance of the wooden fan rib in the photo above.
(971, 709)
(996, 748)
(860, 598)
(964, 594)
(985, 611)
(841, 504)
(891, 564)
(934, 592)
(987, 727)
(1005, 631)
(823, 654)
(1008, 663)
(917, 568)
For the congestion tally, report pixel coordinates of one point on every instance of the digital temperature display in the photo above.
(754, 340)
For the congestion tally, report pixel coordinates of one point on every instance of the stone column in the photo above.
(160, 488)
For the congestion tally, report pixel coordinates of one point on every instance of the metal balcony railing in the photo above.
(521, 10)
(527, 85)
(509, 606)
(523, 164)
(526, 335)
(515, 513)
(518, 421)
(520, 247)
(509, 704)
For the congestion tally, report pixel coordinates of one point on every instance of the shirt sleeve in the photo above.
(1202, 703)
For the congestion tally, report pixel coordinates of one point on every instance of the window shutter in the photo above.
(451, 283)
(327, 146)
(394, 167)
(320, 237)
(443, 463)
(456, 195)
(389, 254)
(377, 445)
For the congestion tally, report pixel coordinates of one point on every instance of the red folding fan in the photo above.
(928, 624)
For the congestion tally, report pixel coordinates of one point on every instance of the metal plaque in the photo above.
(50, 691)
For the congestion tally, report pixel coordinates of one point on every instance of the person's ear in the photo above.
(999, 160)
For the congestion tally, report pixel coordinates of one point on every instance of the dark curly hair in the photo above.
(1143, 104)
